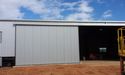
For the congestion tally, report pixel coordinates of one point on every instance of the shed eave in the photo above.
(64, 22)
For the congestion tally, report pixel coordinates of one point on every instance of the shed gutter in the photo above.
(65, 23)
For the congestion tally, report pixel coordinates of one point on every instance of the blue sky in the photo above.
(115, 6)
(63, 9)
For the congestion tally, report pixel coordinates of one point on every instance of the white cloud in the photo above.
(79, 16)
(84, 12)
(10, 9)
(107, 14)
(47, 9)
(34, 5)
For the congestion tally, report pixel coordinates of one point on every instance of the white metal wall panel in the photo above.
(7, 46)
(27, 43)
(46, 44)
(21, 53)
(75, 45)
(60, 45)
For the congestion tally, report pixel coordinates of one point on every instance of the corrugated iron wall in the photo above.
(7, 44)
(46, 44)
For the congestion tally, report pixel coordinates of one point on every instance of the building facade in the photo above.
(27, 42)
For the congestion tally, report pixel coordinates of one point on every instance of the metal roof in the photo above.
(64, 22)
(67, 21)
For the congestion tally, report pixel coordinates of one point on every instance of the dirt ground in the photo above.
(84, 68)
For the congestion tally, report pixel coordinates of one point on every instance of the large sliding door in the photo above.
(46, 44)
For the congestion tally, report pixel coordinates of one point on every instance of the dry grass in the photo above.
(84, 68)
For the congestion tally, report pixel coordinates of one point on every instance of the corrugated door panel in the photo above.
(67, 51)
(52, 44)
(20, 46)
(36, 45)
(60, 45)
(75, 44)
(46, 44)
(28, 44)
(72, 43)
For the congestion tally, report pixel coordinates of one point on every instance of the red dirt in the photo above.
(84, 68)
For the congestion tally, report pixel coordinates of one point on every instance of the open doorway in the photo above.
(98, 42)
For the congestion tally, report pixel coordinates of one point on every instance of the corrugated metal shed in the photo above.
(43, 42)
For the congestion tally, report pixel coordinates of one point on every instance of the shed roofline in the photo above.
(64, 21)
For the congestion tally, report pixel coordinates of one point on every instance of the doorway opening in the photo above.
(98, 42)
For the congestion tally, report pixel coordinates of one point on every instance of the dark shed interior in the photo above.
(98, 42)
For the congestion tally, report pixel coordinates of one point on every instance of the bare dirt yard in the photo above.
(84, 68)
